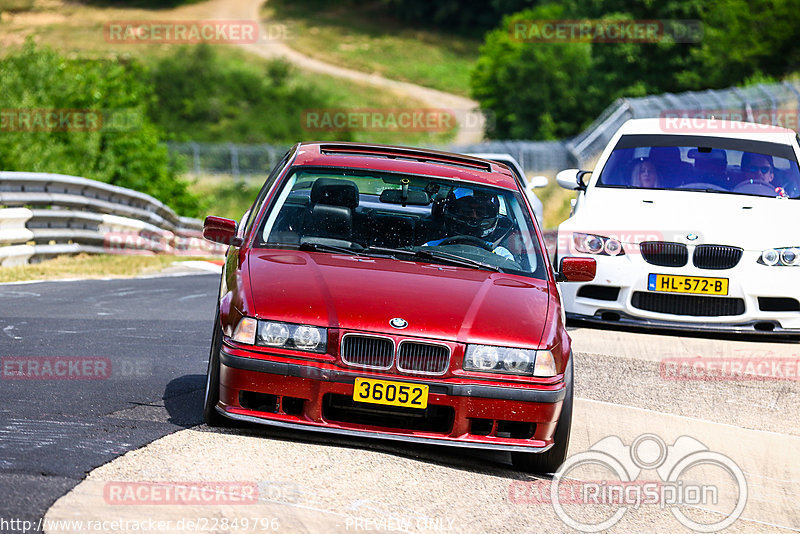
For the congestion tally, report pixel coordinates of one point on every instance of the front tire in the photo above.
(550, 461)
(210, 414)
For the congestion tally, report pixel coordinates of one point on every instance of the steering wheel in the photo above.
(756, 188)
(467, 240)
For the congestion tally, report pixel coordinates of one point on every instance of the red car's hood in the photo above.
(360, 293)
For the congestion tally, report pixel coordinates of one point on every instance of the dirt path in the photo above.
(470, 122)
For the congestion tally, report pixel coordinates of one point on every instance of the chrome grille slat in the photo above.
(420, 357)
(716, 256)
(373, 352)
(664, 253)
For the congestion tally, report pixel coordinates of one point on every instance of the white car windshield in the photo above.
(408, 217)
(710, 164)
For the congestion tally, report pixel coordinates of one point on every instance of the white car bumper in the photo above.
(760, 298)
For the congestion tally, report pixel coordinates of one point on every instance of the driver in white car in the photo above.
(471, 214)
(760, 169)
(757, 168)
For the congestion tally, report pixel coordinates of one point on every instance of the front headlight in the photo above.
(281, 335)
(489, 359)
(782, 257)
(597, 244)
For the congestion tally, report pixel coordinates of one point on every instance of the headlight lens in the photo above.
(281, 335)
(782, 257)
(597, 244)
(273, 334)
(506, 360)
(292, 336)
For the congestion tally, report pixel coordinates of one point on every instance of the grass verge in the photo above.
(87, 266)
(227, 196)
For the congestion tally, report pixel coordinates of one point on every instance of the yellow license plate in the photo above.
(391, 393)
(687, 284)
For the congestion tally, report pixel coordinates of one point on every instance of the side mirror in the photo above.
(575, 269)
(221, 230)
(537, 182)
(572, 179)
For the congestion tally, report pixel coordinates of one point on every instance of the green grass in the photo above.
(368, 41)
(16, 6)
(227, 196)
(556, 202)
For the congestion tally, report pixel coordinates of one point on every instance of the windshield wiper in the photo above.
(321, 247)
(454, 259)
(457, 260)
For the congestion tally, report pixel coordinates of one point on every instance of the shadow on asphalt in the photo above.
(183, 399)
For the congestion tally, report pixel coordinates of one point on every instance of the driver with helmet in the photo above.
(473, 215)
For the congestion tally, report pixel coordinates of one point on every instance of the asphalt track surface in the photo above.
(154, 336)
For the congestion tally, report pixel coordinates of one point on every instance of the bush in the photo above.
(129, 154)
(535, 91)
(547, 90)
(201, 96)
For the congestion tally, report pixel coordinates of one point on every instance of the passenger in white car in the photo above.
(645, 174)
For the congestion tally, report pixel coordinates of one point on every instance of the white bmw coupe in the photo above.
(696, 227)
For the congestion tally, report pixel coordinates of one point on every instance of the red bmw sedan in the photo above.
(395, 293)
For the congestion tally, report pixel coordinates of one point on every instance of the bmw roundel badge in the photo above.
(398, 323)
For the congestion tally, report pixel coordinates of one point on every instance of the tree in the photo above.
(534, 90)
(122, 147)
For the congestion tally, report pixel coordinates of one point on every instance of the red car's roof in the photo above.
(406, 160)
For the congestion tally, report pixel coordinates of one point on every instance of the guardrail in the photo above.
(45, 215)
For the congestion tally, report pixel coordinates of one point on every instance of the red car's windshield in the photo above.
(379, 213)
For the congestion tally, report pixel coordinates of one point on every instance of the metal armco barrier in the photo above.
(45, 215)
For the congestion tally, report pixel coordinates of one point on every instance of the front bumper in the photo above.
(307, 388)
(749, 282)
(611, 317)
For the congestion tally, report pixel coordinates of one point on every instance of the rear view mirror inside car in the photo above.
(414, 198)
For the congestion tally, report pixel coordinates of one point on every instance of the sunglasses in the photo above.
(762, 170)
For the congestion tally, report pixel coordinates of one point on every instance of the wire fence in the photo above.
(775, 104)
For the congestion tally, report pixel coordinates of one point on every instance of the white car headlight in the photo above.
(506, 360)
(597, 244)
(781, 257)
(281, 335)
